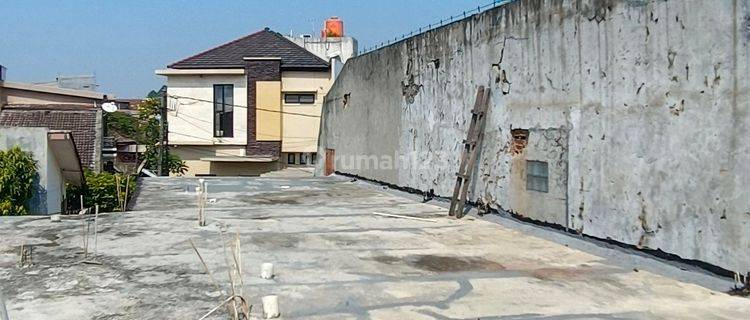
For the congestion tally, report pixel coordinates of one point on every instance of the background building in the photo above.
(333, 45)
(82, 82)
(246, 107)
(76, 111)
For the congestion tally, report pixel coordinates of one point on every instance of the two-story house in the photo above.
(246, 107)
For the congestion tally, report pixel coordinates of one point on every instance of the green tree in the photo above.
(148, 117)
(144, 129)
(17, 179)
(124, 124)
(101, 188)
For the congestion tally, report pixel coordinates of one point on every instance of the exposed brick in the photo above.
(260, 70)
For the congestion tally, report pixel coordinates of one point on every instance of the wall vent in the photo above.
(537, 176)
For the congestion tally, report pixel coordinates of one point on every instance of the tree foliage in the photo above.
(124, 124)
(18, 173)
(101, 188)
(144, 129)
(172, 162)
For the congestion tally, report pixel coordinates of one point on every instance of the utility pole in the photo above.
(162, 130)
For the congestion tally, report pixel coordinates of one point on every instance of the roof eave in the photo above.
(64, 149)
(205, 66)
(56, 90)
(287, 67)
(200, 71)
(304, 68)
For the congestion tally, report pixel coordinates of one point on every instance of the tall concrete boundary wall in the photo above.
(636, 111)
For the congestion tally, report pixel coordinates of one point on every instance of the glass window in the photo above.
(307, 98)
(537, 176)
(301, 98)
(291, 98)
(223, 115)
(302, 158)
(290, 159)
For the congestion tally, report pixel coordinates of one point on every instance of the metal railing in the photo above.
(433, 26)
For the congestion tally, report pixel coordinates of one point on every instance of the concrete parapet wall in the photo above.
(639, 109)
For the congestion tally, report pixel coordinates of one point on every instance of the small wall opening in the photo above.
(520, 139)
(346, 99)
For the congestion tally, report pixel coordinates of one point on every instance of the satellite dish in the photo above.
(109, 107)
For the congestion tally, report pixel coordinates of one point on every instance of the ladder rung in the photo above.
(477, 112)
(462, 176)
(471, 142)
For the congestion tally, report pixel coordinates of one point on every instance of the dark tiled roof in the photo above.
(264, 43)
(80, 120)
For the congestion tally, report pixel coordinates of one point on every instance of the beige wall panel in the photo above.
(268, 110)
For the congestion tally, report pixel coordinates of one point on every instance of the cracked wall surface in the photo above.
(652, 97)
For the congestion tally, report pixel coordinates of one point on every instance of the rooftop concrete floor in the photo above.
(336, 260)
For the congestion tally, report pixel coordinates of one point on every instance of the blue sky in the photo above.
(123, 42)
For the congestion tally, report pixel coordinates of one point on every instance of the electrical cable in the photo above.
(246, 107)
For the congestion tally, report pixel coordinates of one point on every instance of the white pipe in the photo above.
(270, 307)
(266, 270)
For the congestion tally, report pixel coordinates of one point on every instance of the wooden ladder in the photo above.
(469, 154)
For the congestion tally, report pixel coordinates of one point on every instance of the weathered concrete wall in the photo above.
(640, 108)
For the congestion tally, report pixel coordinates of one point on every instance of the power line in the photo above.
(237, 129)
(209, 152)
(246, 107)
(195, 125)
(294, 139)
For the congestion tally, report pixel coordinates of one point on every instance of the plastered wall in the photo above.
(191, 109)
(301, 122)
(640, 108)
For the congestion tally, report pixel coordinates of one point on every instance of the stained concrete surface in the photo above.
(335, 260)
(291, 172)
(650, 100)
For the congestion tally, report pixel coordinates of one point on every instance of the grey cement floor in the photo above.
(336, 260)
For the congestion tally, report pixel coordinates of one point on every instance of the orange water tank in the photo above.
(334, 28)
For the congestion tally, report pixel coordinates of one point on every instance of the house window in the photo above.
(537, 176)
(290, 159)
(223, 102)
(300, 98)
(302, 158)
(312, 158)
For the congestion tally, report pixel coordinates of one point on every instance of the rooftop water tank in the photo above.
(334, 28)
